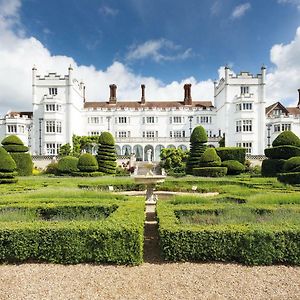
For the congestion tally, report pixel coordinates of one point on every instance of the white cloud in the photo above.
(158, 50)
(216, 8)
(284, 79)
(108, 11)
(240, 10)
(292, 2)
(19, 53)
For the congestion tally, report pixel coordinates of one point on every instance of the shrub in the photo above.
(12, 140)
(282, 152)
(87, 163)
(198, 135)
(210, 171)
(271, 167)
(67, 165)
(232, 153)
(87, 174)
(210, 158)
(291, 164)
(65, 150)
(15, 148)
(286, 138)
(106, 138)
(52, 168)
(172, 158)
(289, 178)
(234, 167)
(7, 167)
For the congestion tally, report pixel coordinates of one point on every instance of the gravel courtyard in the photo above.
(149, 281)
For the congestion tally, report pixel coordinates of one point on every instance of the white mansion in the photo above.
(60, 110)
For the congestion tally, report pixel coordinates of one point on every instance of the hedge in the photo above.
(289, 178)
(198, 135)
(210, 158)
(282, 152)
(12, 140)
(210, 171)
(106, 138)
(286, 138)
(234, 167)
(87, 163)
(87, 174)
(232, 153)
(24, 163)
(116, 239)
(271, 167)
(67, 165)
(7, 164)
(250, 244)
(15, 148)
(291, 164)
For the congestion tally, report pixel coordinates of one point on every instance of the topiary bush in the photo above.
(289, 178)
(7, 167)
(198, 145)
(87, 163)
(286, 138)
(234, 167)
(291, 164)
(52, 168)
(271, 167)
(210, 158)
(106, 156)
(282, 152)
(67, 165)
(210, 171)
(16, 148)
(232, 153)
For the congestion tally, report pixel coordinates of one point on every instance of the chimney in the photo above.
(187, 94)
(298, 105)
(143, 99)
(113, 94)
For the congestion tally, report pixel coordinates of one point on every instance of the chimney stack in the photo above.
(113, 94)
(143, 99)
(298, 98)
(187, 94)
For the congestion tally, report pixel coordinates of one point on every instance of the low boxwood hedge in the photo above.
(289, 178)
(271, 167)
(15, 148)
(234, 167)
(232, 153)
(210, 171)
(67, 165)
(291, 164)
(282, 152)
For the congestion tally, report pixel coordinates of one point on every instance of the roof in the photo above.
(20, 113)
(293, 110)
(270, 108)
(152, 104)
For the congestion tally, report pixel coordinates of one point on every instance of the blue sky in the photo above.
(161, 43)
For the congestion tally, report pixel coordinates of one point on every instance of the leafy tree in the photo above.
(222, 142)
(65, 150)
(173, 160)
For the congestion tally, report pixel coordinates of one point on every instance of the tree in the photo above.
(173, 160)
(65, 150)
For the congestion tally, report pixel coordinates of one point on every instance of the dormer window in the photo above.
(244, 90)
(53, 91)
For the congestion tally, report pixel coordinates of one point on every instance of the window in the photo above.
(209, 133)
(150, 120)
(53, 127)
(247, 106)
(247, 145)
(52, 148)
(53, 91)
(204, 120)
(122, 120)
(148, 134)
(21, 128)
(244, 90)
(285, 127)
(58, 126)
(238, 125)
(247, 125)
(123, 134)
(238, 107)
(177, 134)
(177, 120)
(50, 107)
(276, 127)
(94, 133)
(12, 128)
(93, 120)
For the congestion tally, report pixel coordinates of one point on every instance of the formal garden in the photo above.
(212, 206)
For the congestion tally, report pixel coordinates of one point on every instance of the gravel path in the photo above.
(148, 281)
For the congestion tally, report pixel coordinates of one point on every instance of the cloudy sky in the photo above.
(161, 43)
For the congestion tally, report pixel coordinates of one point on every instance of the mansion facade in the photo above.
(60, 110)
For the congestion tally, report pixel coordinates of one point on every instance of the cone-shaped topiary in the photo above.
(87, 163)
(286, 138)
(210, 158)
(7, 167)
(16, 149)
(197, 148)
(107, 154)
(67, 165)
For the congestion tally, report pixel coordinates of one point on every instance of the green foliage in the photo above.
(210, 158)
(222, 142)
(65, 150)
(173, 160)
(271, 167)
(15, 148)
(23, 162)
(52, 168)
(291, 164)
(67, 165)
(87, 174)
(210, 171)
(234, 167)
(289, 178)
(282, 152)
(106, 138)
(286, 138)
(83, 143)
(198, 135)
(232, 153)
(87, 163)
(12, 140)
(7, 164)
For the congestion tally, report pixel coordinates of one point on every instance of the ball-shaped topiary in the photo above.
(210, 158)
(67, 165)
(198, 135)
(7, 167)
(234, 167)
(286, 138)
(12, 140)
(87, 163)
(106, 138)
(291, 164)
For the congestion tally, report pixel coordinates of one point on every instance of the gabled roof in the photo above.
(276, 105)
(29, 114)
(294, 110)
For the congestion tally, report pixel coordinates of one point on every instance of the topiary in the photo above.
(234, 167)
(210, 158)
(232, 153)
(291, 164)
(282, 152)
(16, 148)
(87, 163)
(198, 135)
(210, 171)
(106, 139)
(52, 168)
(286, 138)
(67, 165)
(271, 167)
(7, 167)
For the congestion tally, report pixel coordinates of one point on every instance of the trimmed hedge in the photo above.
(291, 164)
(12, 140)
(24, 163)
(15, 148)
(88, 174)
(232, 153)
(271, 167)
(7, 164)
(106, 138)
(289, 178)
(210, 171)
(87, 163)
(67, 165)
(234, 167)
(282, 152)
(286, 138)
(196, 152)
(210, 158)
(199, 135)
